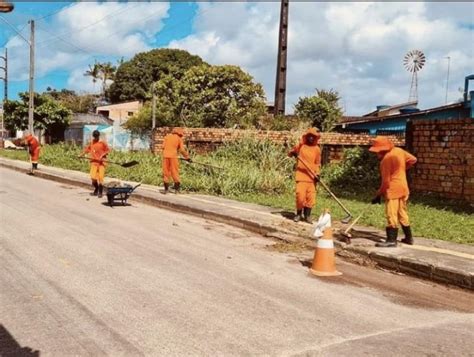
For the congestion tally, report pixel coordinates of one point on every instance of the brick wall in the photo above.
(206, 139)
(445, 153)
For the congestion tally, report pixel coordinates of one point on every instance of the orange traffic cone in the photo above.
(324, 262)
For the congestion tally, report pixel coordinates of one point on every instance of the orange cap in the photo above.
(381, 143)
(178, 131)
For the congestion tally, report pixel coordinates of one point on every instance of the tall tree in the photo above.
(206, 96)
(93, 72)
(49, 115)
(134, 78)
(322, 109)
(107, 73)
(77, 103)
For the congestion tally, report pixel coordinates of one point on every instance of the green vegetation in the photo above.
(259, 172)
(322, 109)
(49, 115)
(102, 71)
(204, 96)
(133, 79)
(77, 103)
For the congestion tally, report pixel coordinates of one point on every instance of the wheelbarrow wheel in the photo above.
(110, 199)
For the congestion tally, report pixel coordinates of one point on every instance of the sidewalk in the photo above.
(431, 259)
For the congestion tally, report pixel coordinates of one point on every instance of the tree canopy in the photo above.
(322, 109)
(134, 78)
(77, 103)
(205, 96)
(49, 115)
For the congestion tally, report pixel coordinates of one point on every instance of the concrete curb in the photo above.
(390, 259)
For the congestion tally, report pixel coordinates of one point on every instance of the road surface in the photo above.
(80, 278)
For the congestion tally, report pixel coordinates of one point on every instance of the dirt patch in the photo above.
(284, 247)
(405, 290)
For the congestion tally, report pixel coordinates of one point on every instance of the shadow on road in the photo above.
(9, 347)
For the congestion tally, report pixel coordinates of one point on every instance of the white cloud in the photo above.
(87, 31)
(355, 48)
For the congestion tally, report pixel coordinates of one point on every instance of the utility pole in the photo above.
(5, 77)
(31, 104)
(447, 80)
(280, 86)
(153, 108)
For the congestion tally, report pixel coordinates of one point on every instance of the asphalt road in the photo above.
(80, 278)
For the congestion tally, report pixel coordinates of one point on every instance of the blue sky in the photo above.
(176, 26)
(354, 48)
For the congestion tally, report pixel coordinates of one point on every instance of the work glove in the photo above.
(316, 179)
(376, 200)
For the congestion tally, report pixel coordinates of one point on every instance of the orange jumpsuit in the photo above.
(394, 187)
(33, 148)
(97, 150)
(305, 184)
(172, 144)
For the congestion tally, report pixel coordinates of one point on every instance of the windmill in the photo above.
(413, 62)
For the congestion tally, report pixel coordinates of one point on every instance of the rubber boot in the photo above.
(96, 188)
(408, 236)
(100, 190)
(307, 215)
(167, 187)
(177, 185)
(391, 241)
(298, 216)
(35, 166)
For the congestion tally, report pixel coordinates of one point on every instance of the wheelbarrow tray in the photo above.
(120, 194)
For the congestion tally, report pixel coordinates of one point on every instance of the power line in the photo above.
(13, 28)
(15, 35)
(91, 24)
(67, 42)
(53, 13)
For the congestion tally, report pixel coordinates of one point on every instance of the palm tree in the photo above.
(93, 72)
(106, 72)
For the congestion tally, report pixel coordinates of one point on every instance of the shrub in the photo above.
(358, 172)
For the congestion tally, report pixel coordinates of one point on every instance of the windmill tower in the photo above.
(413, 62)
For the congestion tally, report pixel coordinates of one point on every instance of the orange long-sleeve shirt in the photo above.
(97, 150)
(32, 143)
(171, 145)
(393, 169)
(311, 155)
(33, 147)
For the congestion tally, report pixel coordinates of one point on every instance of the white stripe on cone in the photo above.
(325, 244)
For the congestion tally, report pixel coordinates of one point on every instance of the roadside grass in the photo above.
(259, 172)
(439, 222)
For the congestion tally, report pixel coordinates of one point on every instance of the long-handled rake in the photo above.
(346, 232)
(349, 214)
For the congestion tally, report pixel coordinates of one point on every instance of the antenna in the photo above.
(447, 79)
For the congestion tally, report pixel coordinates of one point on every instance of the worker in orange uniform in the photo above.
(394, 162)
(172, 144)
(33, 150)
(309, 152)
(97, 150)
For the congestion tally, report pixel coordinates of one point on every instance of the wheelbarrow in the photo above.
(120, 194)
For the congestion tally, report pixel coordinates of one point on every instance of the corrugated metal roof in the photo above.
(87, 118)
(363, 119)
